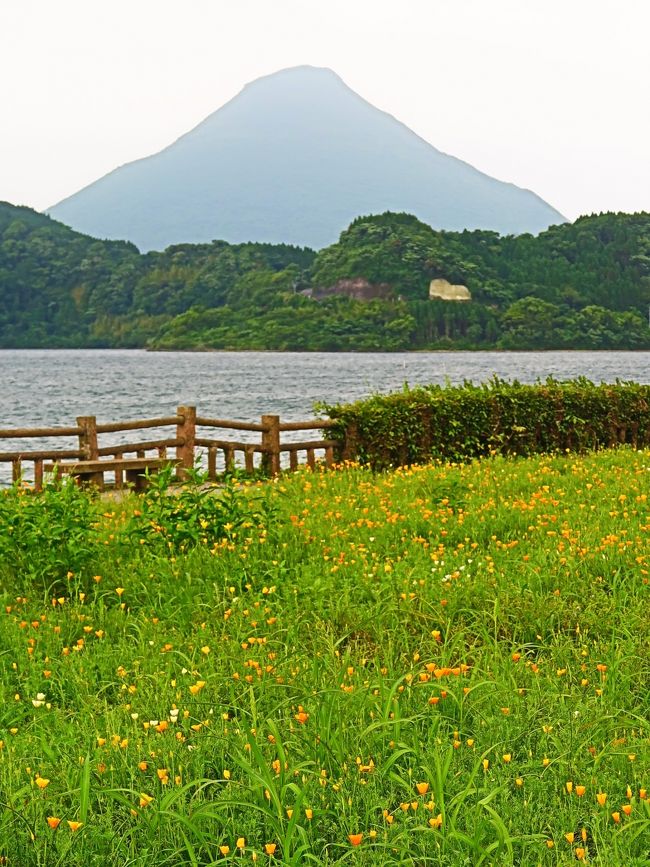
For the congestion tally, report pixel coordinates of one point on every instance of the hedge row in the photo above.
(457, 423)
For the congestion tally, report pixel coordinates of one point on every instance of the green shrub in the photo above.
(459, 423)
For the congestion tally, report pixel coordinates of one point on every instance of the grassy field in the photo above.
(444, 665)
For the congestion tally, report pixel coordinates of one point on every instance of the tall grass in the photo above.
(444, 665)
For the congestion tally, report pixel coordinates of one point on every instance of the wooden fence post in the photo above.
(351, 442)
(185, 431)
(271, 444)
(89, 447)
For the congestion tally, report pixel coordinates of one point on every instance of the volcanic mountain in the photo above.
(294, 158)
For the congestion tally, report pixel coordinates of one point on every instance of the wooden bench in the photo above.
(92, 472)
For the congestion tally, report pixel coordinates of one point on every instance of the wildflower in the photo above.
(627, 809)
(225, 850)
(119, 591)
(616, 816)
(309, 814)
(53, 822)
(270, 848)
(42, 783)
(145, 799)
(74, 826)
(301, 716)
(570, 837)
(436, 821)
(486, 764)
(601, 797)
(197, 687)
(355, 839)
(241, 842)
(519, 782)
(580, 790)
(422, 788)
(507, 758)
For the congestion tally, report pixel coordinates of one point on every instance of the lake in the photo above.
(52, 387)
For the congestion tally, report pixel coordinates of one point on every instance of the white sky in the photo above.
(553, 95)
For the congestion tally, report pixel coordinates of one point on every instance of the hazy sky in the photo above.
(552, 95)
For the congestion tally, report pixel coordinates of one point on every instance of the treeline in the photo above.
(584, 285)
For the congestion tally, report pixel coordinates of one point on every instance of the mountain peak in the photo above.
(294, 157)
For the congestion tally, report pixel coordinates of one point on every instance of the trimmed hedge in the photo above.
(458, 423)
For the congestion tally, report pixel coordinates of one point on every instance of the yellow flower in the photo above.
(436, 821)
(569, 786)
(601, 797)
(309, 814)
(507, 758)
(197, 687)
(74, 826)
(241, 842)
(42, 783)
(145, 800)
(224, 850)
(270, 848)
(422, 788)
(119, 591)
(570, 837)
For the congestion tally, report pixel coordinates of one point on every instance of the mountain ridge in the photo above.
(293, 158)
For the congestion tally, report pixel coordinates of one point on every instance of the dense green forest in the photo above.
(584, 285)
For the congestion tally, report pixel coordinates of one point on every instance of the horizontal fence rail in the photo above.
(184, 447)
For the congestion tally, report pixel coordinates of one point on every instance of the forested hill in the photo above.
(580, 285)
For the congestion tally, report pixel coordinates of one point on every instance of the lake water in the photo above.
(52, 387)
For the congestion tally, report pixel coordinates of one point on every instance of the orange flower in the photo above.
(270, 848)
(42, 783)
(580, 853)
(436, 821)
(355, 839)
(301, 716)
(570, 837)
(627, 809)
(616, 816)
(601, 797)
(422, 788)
(74, 826)
(224, 850)
(53, 822)
(580, 790)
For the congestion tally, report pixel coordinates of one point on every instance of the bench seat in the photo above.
(92, 472)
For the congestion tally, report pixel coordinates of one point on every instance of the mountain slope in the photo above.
(293, 159)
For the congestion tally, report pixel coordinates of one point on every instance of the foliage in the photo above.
(50, 537)
(445, 664)
(459, 423)
(584, 285)
(197, 513)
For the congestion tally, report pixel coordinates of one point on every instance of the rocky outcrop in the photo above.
(358, 288)
(443, 290)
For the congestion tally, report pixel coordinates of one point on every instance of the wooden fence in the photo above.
(192, 435)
